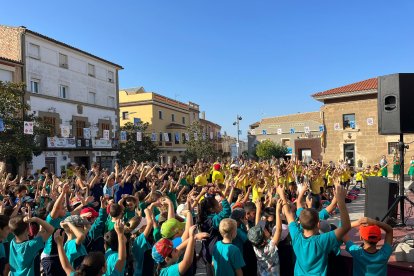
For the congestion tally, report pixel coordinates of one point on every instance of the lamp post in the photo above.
(237, 123)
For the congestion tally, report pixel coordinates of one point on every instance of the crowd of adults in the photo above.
(247, 217)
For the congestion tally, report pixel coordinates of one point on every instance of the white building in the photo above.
(74, 92)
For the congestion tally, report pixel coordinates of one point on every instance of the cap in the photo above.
(255, 235)
(217, 167)
(171, 227)
(234, 166)
(238, 214)
(27, 199)
(77, 220)
(142, 223)
(161, 250)
(93, 214)
(370, 233)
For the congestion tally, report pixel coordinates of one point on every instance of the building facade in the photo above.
(74, 92)
(212, 131)
(300, 133)
(350, 116)
(229, 145)
(168, 119)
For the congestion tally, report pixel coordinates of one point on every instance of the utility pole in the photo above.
(237, 123)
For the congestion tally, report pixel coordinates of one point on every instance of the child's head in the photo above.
(21, 191)
(250, 209)
(370, 234)
(172, 228)
(61, 211)
(93, 264)
(137, 225)
(111, 240)
(239, 215)
(309, 219)
(19, 227)
(115, 210)
(77, 221)
(209, 205)
(163, 252)
(130, 203)
(228, 228)
(4, 227)
(90, 214)
(256, 236)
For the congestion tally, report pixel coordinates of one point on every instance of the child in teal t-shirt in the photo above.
(367, 259)
(22, 250)
(115, 246)
(76, 228)
(227, 258)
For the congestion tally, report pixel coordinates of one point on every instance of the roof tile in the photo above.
(368, 84)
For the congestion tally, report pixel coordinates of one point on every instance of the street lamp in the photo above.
(237, 122)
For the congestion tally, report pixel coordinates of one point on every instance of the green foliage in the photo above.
(200, 148)
(267, 149)
(14, 144)
(132, 149)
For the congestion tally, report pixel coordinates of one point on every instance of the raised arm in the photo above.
(80, 236)
(187, 261)
(286, 208)
(122, 254)
(59, 202)
(278, 232)
(343, 211)
(46, 229)
(62, 254)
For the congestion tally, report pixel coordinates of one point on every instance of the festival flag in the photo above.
(195, 136)
(139, 136)
(264, 132)
(211, 135)
(187, 137)
(218, 135)
(1, 125)
(87, 133)
(28, 127)
(153, 137)
(123, 136)
(204, 136)
(105, 135)
(279, 131)
(292, 130)
(166, 137)
(177, 137)
(307, 129)
(64, 131)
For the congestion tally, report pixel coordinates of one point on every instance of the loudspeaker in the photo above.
(380, 194)
(395, 98)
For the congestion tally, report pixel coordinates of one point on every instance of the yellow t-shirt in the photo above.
(201, 180)
(316, 185)
(282, 182)
(359, 176)
(256, 194)
(329, 179)
(190, 179)
(217, 175)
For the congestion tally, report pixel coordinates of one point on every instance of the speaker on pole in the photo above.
(395, 99)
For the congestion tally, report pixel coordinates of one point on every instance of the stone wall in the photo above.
(10, 42)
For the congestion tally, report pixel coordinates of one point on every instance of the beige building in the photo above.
(288, 130)
(167, 118)
(350, 116)
(211, 131)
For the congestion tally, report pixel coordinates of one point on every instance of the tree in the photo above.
(198, 148)
(267, 149)
(16, 146)
(132, 149)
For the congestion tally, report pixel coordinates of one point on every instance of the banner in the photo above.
(139, 136)
(187, 137)
(28, 127)
(166, 137)
(337, 126)
(195, 136)
(279, 131)
(307, 129)
(292, 131)
(218, 135)
(204, 136)
(211, 135)
(1, 125)
(177, 137)
(87, 133)
(153, 137)
(264, 132)
(105, 134)
(54, 142)
(123, 137)
(321, 128)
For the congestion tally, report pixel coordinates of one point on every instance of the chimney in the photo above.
(203, 115)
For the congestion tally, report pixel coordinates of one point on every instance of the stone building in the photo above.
(300, 133)
(350, 116)
(212, 131)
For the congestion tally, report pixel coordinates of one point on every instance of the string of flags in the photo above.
(166, 137)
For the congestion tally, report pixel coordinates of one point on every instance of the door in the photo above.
(50, 163)
(82, 160)
(349, 154)
(306, 155)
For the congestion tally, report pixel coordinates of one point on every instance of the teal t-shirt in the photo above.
(111, 259)
(240, 239)
(128, 215)
(56, 224)
(22, 256)
(74, 251)
(227, 258)
(312, 252)
(109, 224)
(368, 264)
(172, 270)
(2, 251)
(142, 205)
(139, 247)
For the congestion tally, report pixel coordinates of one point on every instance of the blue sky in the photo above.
(257, 58)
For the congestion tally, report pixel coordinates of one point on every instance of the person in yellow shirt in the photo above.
(359, 178)
(217, 177)
(257, 190)
(201, 178)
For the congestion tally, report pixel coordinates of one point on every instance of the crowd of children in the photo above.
(240, 218)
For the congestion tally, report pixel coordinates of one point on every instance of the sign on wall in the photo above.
(279, 131)
(28, 127)
(370, 121)
(292, 130)
(307, 129)
(139, 136)
(153, 137)
(321, 128)
(264, 132)
(123, 136)
(87, 133)
(105, 135)
(337, 126)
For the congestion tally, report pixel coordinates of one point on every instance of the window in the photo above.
(177, 138)
(110, 76)
(111, 102)
(63, 61)
(285, 142)
(161, 138)
(6, 75)
(91, 70)
(183, 120)
(183, 138)
(79, 126)
(172, 118)
(160, 114)
(125, 115)
(392, 147)
(50, 123)
(34, 51)
(349, 121)
(34, 86)
(63, 91)
(91, 97)
(104, 126)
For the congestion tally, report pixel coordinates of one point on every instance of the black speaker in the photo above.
(395, 99)
(380, 194)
